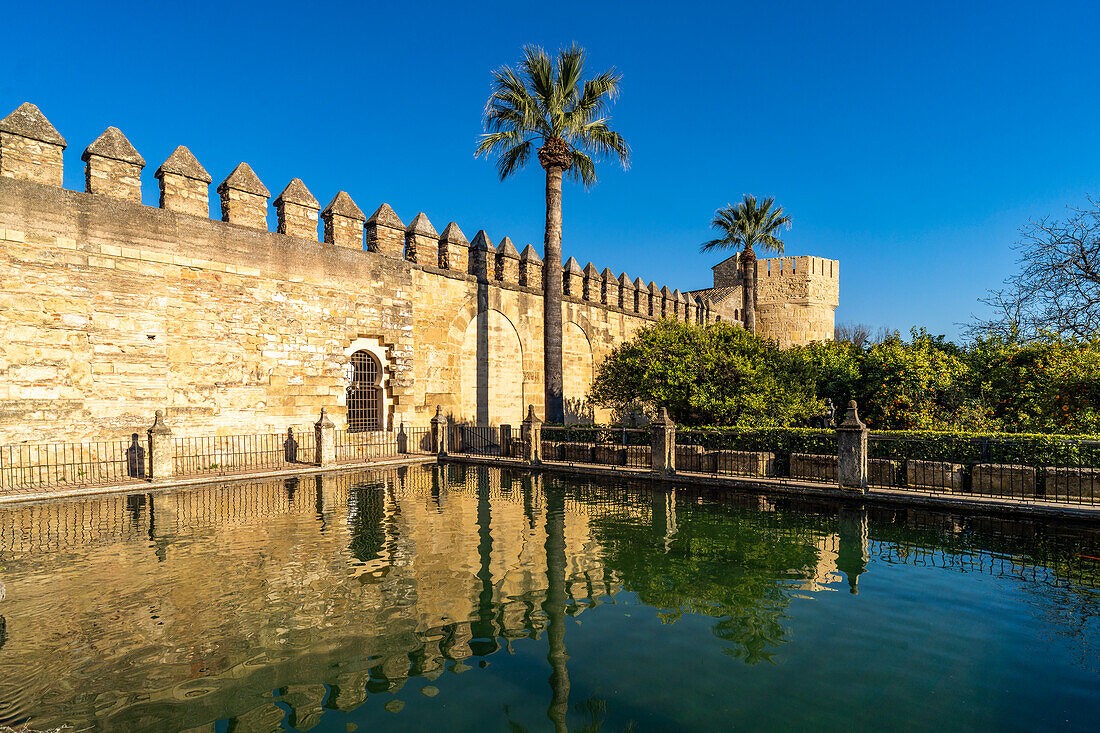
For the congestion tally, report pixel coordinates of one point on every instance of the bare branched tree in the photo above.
(861, 334)
(1057, 288)
(858, 334)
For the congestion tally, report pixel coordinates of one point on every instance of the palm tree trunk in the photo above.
(748, 289)
(552, 285)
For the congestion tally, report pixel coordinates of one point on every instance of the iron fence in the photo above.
(223, 454)
(365, 446)
(55, 465)
(415, 440)
(481, 440)
(802, 455)
(1024, 468)
(614, 445)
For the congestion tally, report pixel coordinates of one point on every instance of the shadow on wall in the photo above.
(579, 410)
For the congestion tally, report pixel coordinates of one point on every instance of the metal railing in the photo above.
(224, 454)
(609, 445)
(1023, 468)
(365, 446)
(27, 467)
(802, 456)
(415, 441)
(481, 441)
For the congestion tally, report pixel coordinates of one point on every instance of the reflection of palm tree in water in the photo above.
(554, 606)
(484, 629)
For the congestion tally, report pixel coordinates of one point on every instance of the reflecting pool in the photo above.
(463, 598)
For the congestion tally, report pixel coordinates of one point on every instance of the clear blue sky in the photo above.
(907, 140)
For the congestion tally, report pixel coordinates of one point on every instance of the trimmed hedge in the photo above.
(1026, 449)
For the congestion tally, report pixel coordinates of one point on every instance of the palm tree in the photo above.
(547, 103)
(744, 227)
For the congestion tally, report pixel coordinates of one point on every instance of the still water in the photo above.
(455, 598)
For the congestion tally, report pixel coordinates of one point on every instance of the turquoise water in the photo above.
(475, 599)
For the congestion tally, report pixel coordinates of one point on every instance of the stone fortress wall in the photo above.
(111, 309)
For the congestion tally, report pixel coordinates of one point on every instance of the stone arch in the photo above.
(578, 371)
(491, 358)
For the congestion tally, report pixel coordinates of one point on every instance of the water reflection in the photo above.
(291, 603)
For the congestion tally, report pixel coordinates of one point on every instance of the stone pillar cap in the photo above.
(439, 416)
(324, 421)
(851, 418)
(664, 420)
(481, 241)
(639, 284)
(386, 217)
(297, 193)
(422, 226)
(28, 121)
(244, 179)
(531, 418)
(159, 428)
(591, 271)
(507, 249)
(183, 163)
(114, 145)
(571, 265)
(453, 235)
(342, 205)
(530, 255)
(608, 274)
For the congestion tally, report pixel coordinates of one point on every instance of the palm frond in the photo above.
(544, 98)
(583, 169)
(748, 224)
(513, 159)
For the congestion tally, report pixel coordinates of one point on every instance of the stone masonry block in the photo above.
(421, 241)
(343, 222)
(507, 262)
(385, 233)
(1071, 484)
(244, 198)
(112, 167)
(31, 148)
(936, 475)
(297, 211)
(573, 279)
(530, 268)
(454, 249)
(1000, 479)
(184, 184)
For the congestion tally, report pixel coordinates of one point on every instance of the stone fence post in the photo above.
(325, 433)
(439, 433)
(852, 450)
(532, 437)
(161, 465)
(664, 444)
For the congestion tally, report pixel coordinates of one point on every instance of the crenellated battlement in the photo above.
(31, 149)
(798, 267)
(112, 309)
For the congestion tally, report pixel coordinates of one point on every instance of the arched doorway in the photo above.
(365, 394)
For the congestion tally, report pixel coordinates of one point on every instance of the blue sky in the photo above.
(908, 140)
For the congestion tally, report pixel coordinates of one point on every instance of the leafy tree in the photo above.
(915, 385)
(1044, 385)
(717, 374)
(743, 227)
(547, 103)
